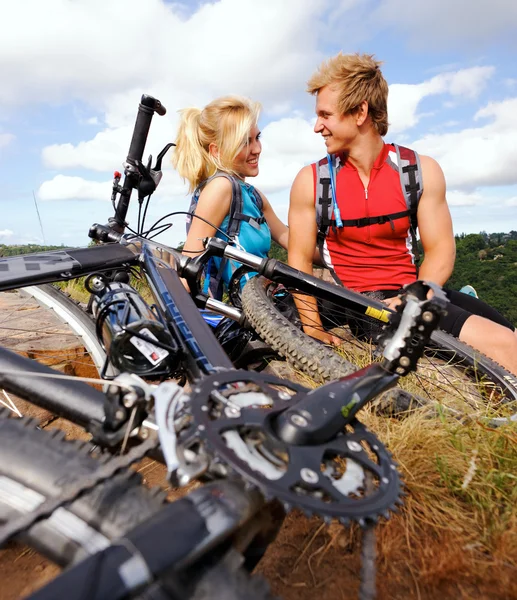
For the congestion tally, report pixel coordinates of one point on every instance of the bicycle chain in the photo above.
(71, 493)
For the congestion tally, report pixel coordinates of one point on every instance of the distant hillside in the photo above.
(25, 249)
(488, 262)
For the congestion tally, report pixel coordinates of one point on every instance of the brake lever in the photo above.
(158, 166)
(146, 185)
(156, 172)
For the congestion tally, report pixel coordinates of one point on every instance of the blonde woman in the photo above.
(217, 149)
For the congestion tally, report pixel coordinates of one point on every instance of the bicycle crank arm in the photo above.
(325, 411)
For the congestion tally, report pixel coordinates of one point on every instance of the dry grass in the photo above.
(459, 521)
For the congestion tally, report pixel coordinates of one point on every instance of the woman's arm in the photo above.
(213, 205)
(279, 231)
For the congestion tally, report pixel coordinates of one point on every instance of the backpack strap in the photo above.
(379, 220)
(324, 210)
(324, 218)
(213, 275)
(412, 187)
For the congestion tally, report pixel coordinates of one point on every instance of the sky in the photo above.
(73, 72)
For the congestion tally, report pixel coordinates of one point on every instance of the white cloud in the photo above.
(443, 23)
(63, 187)
(6, 233)
(108, 149)
(80, 54)
(104, 152)
(456, 198)
(404, 99)
(6, 139)
(287, 146)
(511, 201)
(478, 156)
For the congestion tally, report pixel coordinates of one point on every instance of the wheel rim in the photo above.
(43, 324)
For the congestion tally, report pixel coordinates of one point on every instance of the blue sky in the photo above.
(73, 71)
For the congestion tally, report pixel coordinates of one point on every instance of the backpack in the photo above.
(408, 164)
(213, 274)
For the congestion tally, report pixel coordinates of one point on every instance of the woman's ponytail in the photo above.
(190, 158)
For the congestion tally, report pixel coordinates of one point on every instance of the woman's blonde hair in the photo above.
(225, 122)
(356, 77)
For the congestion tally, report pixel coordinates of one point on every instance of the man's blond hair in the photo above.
(356, 77)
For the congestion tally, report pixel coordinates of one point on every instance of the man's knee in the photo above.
(478, 331)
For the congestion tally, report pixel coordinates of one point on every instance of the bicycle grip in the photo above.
(147, 107)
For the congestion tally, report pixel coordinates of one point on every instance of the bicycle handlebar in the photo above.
(146, 109)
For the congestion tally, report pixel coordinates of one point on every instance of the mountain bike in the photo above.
(256, 440)
(452, 377)
(251, 436)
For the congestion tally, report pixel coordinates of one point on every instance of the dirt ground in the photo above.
(309, 560)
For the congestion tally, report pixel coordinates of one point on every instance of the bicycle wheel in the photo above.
(451, 375)
(45, 324)
(37, 464)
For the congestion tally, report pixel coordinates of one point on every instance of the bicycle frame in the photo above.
(79, 402)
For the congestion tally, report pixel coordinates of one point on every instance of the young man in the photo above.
(362, 177)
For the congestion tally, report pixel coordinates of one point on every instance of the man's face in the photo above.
(338, 130)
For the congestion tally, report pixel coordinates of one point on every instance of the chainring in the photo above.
(233, 415)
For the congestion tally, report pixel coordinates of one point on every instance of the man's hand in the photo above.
(392, 302)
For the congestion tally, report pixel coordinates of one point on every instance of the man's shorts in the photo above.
(461, 307)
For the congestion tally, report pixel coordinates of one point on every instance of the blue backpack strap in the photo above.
(213, 275)
(197, 193)
(216, 284)
(237, 215)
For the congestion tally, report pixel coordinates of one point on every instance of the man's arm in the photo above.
(302, 242)
(435, 225)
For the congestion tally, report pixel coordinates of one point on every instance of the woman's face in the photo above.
(246, 162)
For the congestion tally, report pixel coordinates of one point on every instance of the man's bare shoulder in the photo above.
(302, 189)
(305, 174)
(433, 181)
(430, 168)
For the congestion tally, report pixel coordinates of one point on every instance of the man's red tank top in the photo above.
(374, 257)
